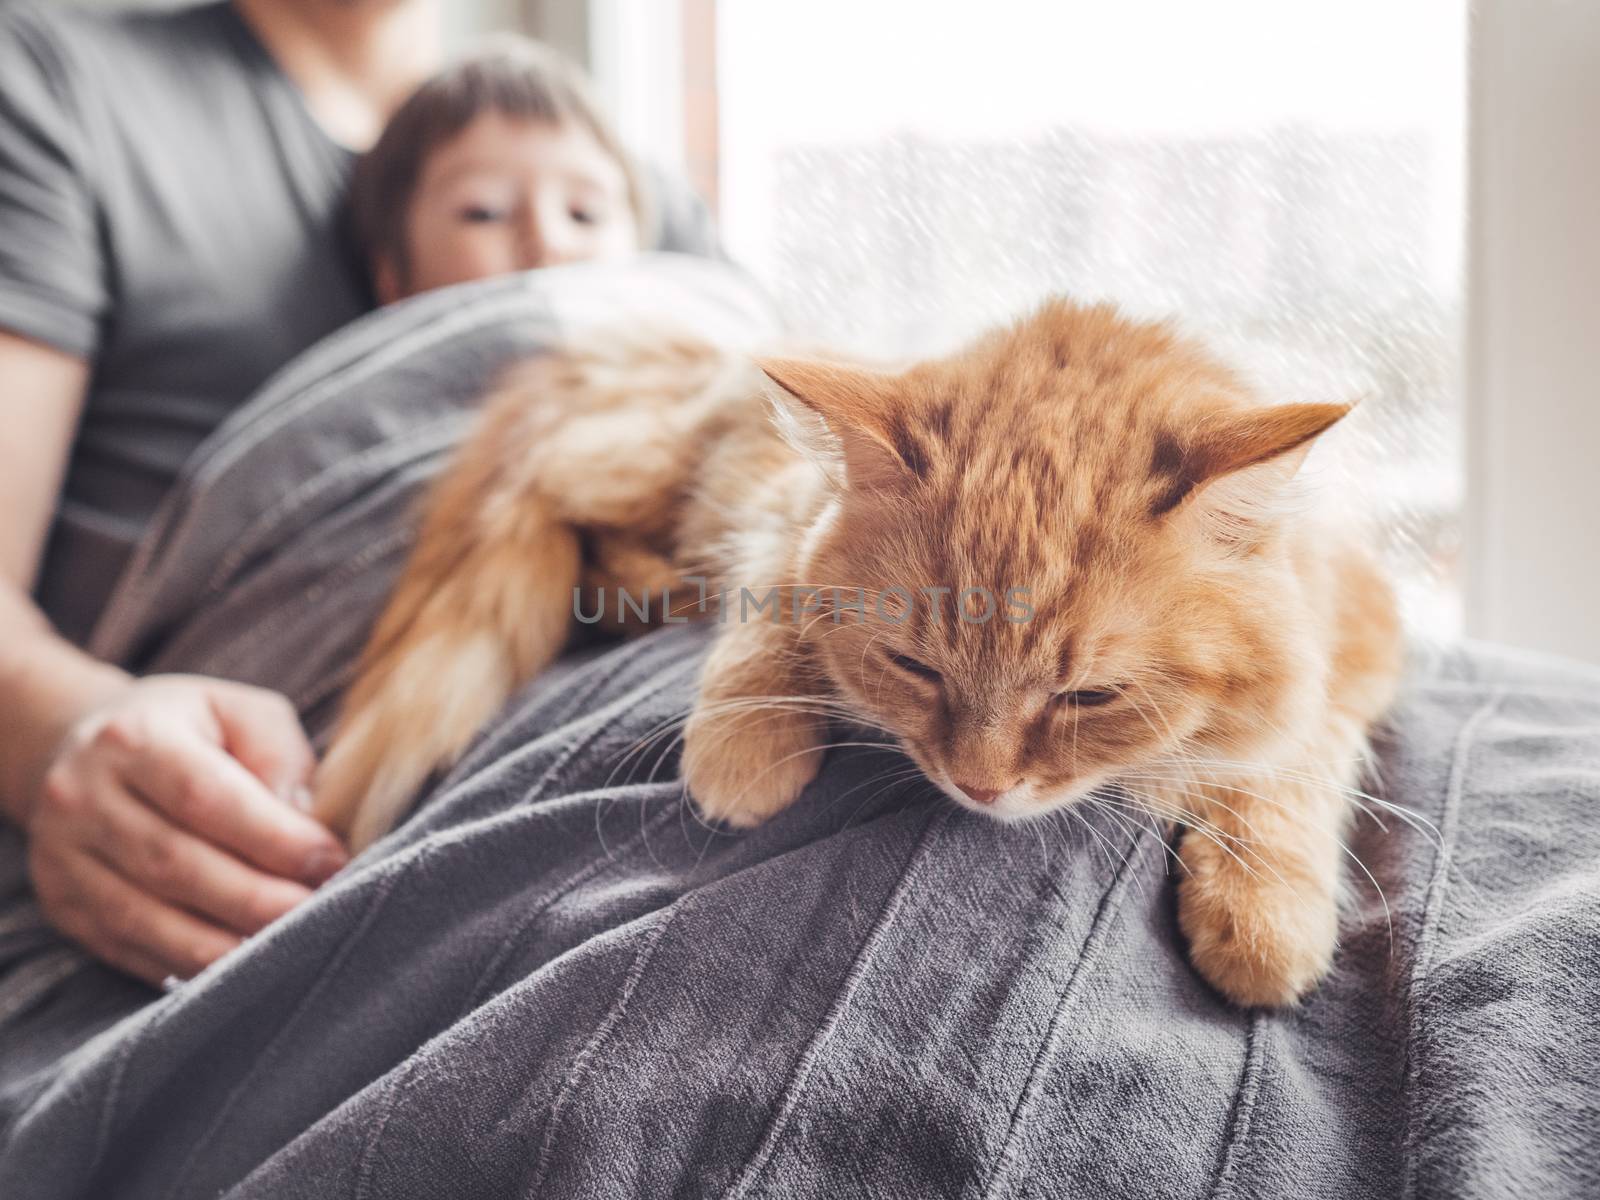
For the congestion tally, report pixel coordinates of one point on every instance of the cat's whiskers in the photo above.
(1220, 837)
(673, 727)
(1209, 797)
(1343, 845)
(1293, 813)
(1122, 856)
(1135, 835)
(899, 773)
(1171, 733)
(1289, 772)
(1135, 813)
(1136, 708)
(888, 781)
(1112, 815)
(1105, 845)
(778, 711)
(883, 669)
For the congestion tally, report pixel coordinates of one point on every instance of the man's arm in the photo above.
(158, 829)
(45, 683)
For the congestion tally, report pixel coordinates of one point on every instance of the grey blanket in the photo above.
(553, 981)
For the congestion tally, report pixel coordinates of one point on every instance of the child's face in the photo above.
(505, 195)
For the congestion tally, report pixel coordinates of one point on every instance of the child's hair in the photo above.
(514, 76)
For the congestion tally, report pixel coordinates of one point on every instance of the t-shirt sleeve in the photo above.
(52, 269)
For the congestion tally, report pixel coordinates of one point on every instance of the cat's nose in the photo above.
(981, 795)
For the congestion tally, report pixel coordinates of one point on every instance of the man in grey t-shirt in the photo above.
(170, 185)
(168, 212)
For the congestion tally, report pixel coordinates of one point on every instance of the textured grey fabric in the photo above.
(553, 981)
(291, 523)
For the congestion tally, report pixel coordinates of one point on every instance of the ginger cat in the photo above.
(1165, 630)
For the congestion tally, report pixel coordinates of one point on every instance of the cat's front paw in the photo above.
(1259, 939)
(744, 766)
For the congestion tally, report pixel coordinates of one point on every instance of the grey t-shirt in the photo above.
(170, 211)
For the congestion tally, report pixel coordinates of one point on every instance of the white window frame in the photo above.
(1532, 519)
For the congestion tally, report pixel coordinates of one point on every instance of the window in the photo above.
(1288, 179)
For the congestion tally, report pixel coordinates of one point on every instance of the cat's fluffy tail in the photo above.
(484, 604)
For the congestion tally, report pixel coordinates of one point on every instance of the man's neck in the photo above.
(354, 60)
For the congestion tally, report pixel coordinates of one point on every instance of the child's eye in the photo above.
(585, 216)
(481, 214)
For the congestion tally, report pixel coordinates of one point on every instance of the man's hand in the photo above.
(169, 824)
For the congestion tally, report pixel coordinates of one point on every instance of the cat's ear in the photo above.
(1234, 473)
(846, 417)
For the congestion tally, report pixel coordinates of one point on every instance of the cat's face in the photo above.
(1079, 676)
(1094, 496)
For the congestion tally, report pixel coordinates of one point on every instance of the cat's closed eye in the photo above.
(912, 667)
(1087, 697)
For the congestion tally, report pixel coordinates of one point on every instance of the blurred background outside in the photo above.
(1289, 180)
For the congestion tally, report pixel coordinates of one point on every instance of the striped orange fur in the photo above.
(1196, 641)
